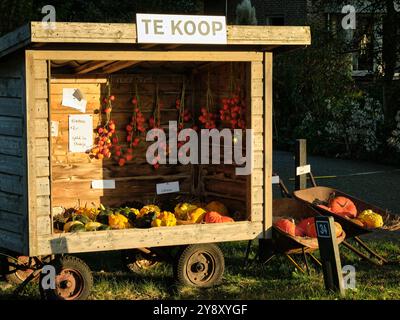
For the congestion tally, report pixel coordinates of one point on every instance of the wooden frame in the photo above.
(43, 243)
(245, 44)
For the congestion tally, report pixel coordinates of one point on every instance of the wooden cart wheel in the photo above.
(137, 261)
(18, 268)
(200, 265)
(73, 281)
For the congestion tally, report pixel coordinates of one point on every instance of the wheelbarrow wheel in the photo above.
(16, 269)
(200, 265)
(73, 280)
(137, 261)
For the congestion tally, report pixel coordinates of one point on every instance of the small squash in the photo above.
(215, 217)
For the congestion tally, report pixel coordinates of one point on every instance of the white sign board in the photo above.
(159, 28)
(103, 184)
(80, 132)
(74, 98)
(169, 187)
(276, 180)
(303, 170)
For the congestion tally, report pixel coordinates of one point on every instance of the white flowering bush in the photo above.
(351, 125)
(356, 123)
(394, 140)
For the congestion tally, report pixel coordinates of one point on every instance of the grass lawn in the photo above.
(276, 280)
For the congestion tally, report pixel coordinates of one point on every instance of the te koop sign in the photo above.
(158, 28)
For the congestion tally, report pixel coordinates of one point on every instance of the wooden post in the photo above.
(329, 251)
(300, 160)
(268, 79)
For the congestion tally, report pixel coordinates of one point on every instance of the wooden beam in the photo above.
(90, 66)
(268, 94)
(116, 66)
(74, 32)
(225, 56)
(153, 237)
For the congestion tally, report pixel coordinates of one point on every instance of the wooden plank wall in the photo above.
(13, 195)
(220, 182)
(72, 173)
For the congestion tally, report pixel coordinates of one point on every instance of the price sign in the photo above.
(323, 230)
(329, 252)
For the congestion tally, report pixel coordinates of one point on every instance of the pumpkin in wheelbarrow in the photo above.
(286, 226)
(343, 207)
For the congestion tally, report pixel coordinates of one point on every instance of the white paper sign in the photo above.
(80, 132)
(54, 128)
(159, 28)
(103, 184)
(169, 187)
(74, 98)
(303, 170)
(275, 180)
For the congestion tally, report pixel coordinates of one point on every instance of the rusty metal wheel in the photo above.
(18, 268)
(73, 280)
(200, 266)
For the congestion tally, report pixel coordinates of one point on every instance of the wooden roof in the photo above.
(258, 38)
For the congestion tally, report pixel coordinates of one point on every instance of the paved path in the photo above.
(374, 183)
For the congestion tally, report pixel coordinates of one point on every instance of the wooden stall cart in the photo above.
(40, 177)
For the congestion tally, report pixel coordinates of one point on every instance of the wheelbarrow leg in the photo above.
(313, 258)
(294, 263)
(360, 254)
(306, 262)
(370, 251)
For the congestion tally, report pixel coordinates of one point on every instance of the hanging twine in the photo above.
(209, 96)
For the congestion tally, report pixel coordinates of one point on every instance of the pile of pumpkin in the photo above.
(346, 208)
(304, 228)
(97, 219)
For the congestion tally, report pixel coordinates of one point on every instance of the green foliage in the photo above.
(246, 13)
(15, 13)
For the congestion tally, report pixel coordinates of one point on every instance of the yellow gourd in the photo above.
(147, 209)
(164, 219)
(182, 210)
(197, 215)
(371, 219)
(118, 221)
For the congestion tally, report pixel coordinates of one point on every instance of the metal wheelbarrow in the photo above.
(352, 229)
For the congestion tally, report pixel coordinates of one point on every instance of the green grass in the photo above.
(276, 280)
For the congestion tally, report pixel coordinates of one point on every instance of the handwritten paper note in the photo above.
(74, 98)
(80, 132)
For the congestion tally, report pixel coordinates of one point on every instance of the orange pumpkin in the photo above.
(343, 207)
(286, 226)
(217, 206)
(301, 229)
(311, 231)
(215, 217)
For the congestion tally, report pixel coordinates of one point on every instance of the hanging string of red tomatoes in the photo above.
(104, 140)
(233, 109)
(208, 116)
